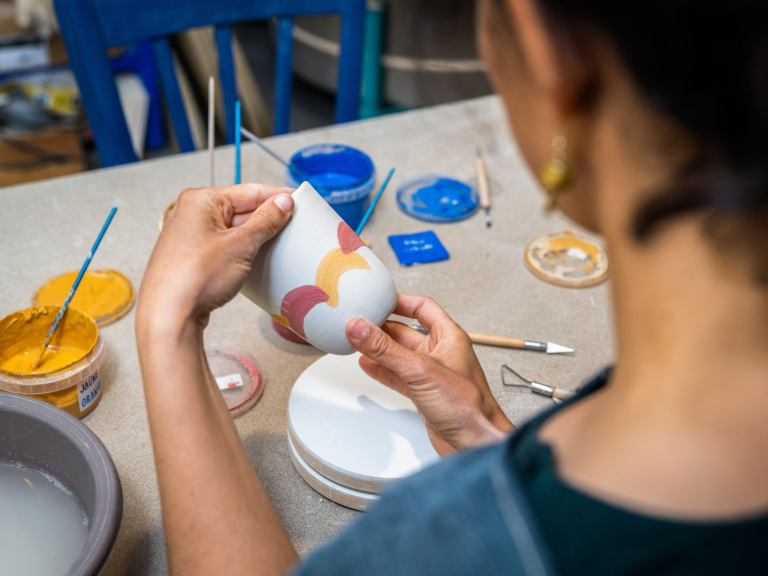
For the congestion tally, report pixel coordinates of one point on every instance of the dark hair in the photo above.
(703, 63)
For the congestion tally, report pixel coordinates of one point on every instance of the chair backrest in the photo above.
(90, 27)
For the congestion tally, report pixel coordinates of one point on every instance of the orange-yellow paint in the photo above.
(104, 295)
(568, 241)
(282, 319)
(22, 335)
(332, 266)
(67, 400)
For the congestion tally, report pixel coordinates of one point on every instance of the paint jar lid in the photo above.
(438, 199)
(105, 295)
(238, 377)
(567, 259)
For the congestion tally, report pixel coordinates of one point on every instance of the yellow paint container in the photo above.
(68, 376)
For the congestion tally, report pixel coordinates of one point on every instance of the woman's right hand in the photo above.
(438, 371)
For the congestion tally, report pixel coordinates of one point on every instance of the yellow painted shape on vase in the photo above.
(282, 319)
(332, 266)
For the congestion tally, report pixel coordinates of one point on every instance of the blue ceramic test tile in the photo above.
(418, 248)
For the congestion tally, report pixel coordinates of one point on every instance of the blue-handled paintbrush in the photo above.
(374, 202)
(72, 290)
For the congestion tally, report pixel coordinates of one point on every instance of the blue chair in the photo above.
(90, 27)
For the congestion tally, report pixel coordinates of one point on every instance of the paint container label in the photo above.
(88, 391)
(231, 381)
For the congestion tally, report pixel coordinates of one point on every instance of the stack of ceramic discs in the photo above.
(350, 436)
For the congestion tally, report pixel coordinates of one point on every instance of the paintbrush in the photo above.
(374, 202)
(211, 125)
(238, 128)
(72, 290)
(482, 184)
(291, 167)
(506, 342)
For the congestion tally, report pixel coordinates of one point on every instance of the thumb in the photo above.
(267, 220)
(377, 345)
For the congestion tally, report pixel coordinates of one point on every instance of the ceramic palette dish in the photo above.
(351, 431)
(567, 259)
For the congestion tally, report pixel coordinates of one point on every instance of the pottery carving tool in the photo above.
(64, 306)
(535, 387)
(211, 124)
(374, 202)
(301, 173)
(506, 342)
(482, 185)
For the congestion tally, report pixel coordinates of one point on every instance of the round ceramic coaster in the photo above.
(238, 377)
(353, 430)
(435, 198)
(348, 497)
(105, 295)
(567, 259)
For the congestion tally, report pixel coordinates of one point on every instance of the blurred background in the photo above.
(416, 53)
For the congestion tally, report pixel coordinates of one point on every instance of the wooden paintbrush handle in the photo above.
(493, 340)
(561, 394)
(482, 184)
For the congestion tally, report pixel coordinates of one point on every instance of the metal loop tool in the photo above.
(535, 387)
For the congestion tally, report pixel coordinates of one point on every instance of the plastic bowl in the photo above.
(40, 436)
(343, 175)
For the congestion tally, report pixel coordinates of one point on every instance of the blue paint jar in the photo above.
(343, 175)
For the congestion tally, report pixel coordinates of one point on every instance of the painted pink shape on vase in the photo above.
(297, 304)
(348, 240)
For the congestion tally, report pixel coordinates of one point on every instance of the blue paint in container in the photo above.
(435, 198)
(343, 175)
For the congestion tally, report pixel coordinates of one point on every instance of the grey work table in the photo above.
(46, 229)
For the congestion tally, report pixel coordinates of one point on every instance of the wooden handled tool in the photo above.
(506, 342)
(535, 387)
(482, 185)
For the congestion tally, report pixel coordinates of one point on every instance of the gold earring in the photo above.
(557, 174)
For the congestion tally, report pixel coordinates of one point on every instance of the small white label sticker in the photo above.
(231, 381)
(88, 391)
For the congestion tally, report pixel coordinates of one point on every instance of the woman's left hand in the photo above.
(206, 248)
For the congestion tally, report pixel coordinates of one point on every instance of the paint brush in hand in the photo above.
(482, 184)
(506, 342)
(72, 290)
(291, 167)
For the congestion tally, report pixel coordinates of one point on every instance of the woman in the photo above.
(647, 121)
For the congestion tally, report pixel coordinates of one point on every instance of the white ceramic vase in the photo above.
(316, 275)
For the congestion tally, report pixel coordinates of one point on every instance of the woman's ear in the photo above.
(558, 63)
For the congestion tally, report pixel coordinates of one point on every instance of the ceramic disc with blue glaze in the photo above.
(435, 198)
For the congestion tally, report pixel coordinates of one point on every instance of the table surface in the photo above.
(47, 229)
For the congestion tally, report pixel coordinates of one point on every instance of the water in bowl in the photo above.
(42, 527)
